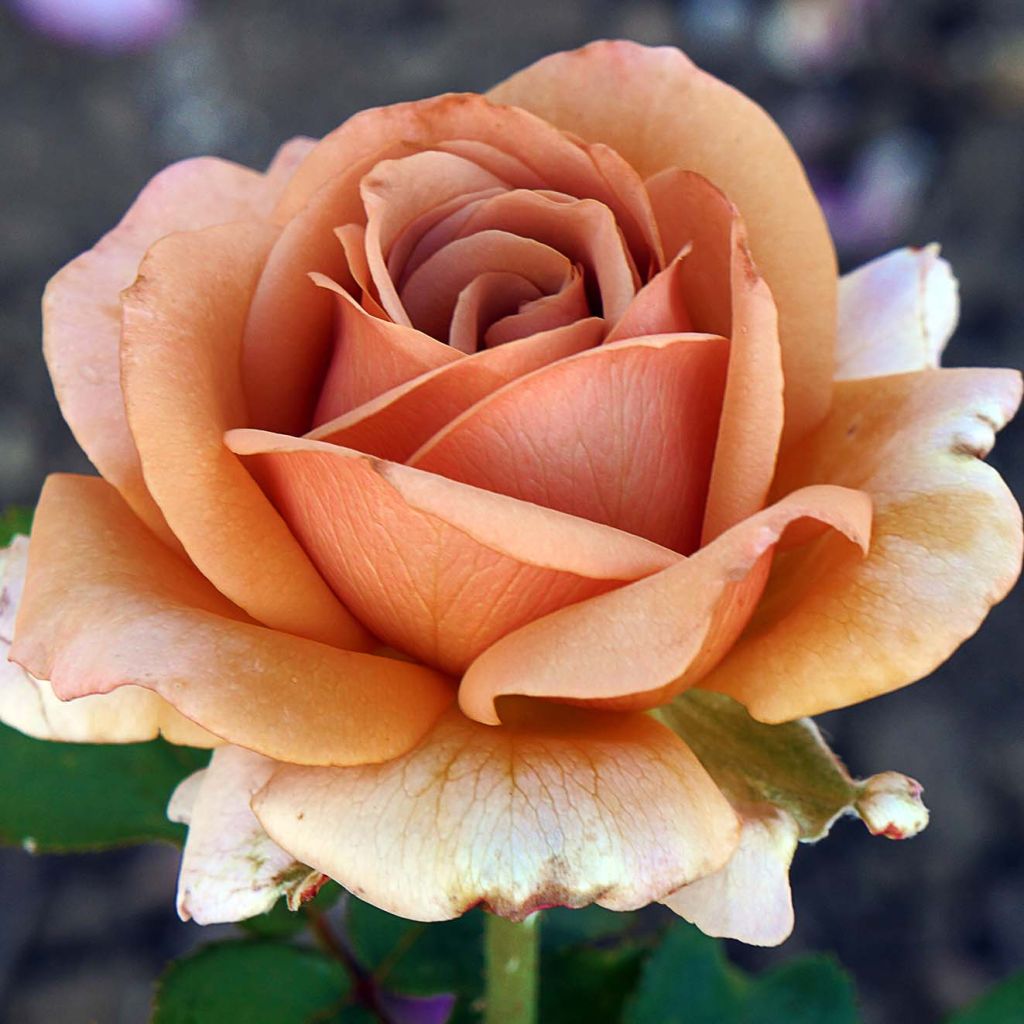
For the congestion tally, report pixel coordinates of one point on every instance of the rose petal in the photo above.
(230, 868)
(640, 645)
(723, 293)
(371, 356)
(81, 310)
(584, 230)
(397, 192)
(896, 314)
(558, 809)
(106, 605)
(182, 329)
(353, 244)
(834, 629)
(490, 297)
(547, 313)
(692, 120)
(29, 705)
(396, 423)
(658, 308)
(748, 899)
(437, 569)
(432, 290)
(621, 435)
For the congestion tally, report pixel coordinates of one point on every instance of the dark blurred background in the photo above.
(910, 117)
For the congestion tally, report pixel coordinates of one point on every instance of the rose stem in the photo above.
(511, 965)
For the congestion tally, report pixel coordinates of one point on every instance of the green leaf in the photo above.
(687, 980)
(788, 765)
(279, 922)
(811, 990)
(254, 982)
(60, 797)
(589, 983)
(14, 520)
(1003, 1004)
(564, 927)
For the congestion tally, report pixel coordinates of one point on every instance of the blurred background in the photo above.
(910, 119)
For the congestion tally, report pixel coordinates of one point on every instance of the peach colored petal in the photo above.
(107, 605)
(489, 297)
(436, 569)
(834, 629)
(285, 163)
(397, 192)
(748, 899)
(896, 314)
(396, 423)
(353, 244)
(584, 230)
(371, 356)
(692, 120)
(724, 293)
(640, 645)
(230, 868)
(29, 705)
(621, 434)
(432, 290)
(562, 808)
(81, 310)
(182, 327)
(546, 313)
(658, 308)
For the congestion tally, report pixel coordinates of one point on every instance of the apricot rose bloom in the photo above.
(439, 460)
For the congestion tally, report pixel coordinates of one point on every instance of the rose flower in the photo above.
(441, 459)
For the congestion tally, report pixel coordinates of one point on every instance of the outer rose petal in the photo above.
(658, 110)
(29, 705)
(621, 434)
(558, 809)
(834, 629)
(436, 568)
(896, 314)
(81, 314)
(640, 645)
(230, 868)
(724, 293)
(748, 899)
(107, 604)
(183, 323)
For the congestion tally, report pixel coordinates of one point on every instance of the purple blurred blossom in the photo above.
(416, 1009)
(107, 25)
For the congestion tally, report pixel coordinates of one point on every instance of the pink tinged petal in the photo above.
(28, 704)
(182, 330)
(230, 868)
(621, 435)
(286, 161)
(890, 805)
(397, 192)
(583, 230)
(692, 120)
(558, 809)
(432, 290)
(81, 309)
(642, 644)
(835, 629)
(396, 423)
(748, 899)
(433, 567)
(896, 314)
(489, 297)
(371, 356)
(106, 606)
(723, 292)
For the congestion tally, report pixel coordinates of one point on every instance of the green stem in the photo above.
(512, 962)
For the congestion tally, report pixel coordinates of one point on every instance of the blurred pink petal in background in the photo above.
(110, 25)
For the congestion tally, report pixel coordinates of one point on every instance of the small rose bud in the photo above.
(891, 806)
